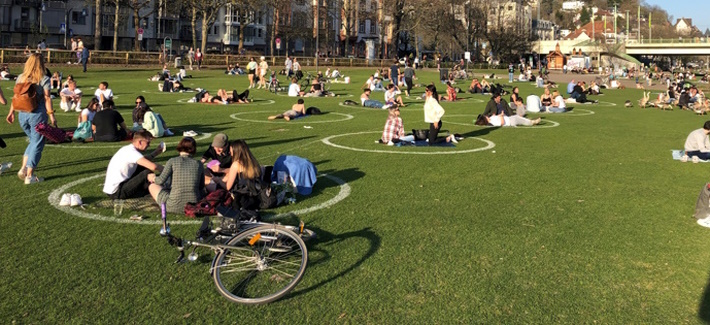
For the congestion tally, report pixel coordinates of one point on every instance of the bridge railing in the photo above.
(685, 40)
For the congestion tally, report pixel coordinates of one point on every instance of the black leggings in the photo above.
(134, 187)
(243, 96)
(409, 82)
(433, 133)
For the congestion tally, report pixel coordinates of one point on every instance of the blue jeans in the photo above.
(372, 103)
(556, 110)
(700, 155)
(510, 77)
(28, 121)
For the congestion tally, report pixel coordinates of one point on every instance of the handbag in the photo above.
(51, 133)
(83, 131)
(420, 134)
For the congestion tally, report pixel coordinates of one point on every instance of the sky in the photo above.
(696, 9)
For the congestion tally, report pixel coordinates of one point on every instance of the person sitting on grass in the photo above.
(475, 87)
(244, 167)
(103, 93)
(697, 145)
(56, 81)
(367, 102)
(450, 93)
(497, 106)
(108, 125)
(294, 90)
(546, 99)
(502, 120)
(127, 172)
(298, 109)
(66, 82)
(181, 181)
(70, 97)
(83, 130)
(394, 129)
(558, 103)
(152, 122)
(392, 98)
(515, 95)
(218, 157)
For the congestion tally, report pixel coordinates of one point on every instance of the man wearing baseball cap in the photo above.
(218, 156)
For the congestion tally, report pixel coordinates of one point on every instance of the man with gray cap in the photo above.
(218, 156)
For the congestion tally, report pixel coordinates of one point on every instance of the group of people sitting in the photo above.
(133, 174)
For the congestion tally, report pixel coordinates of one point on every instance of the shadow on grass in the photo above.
(14, 135)
(704, 308)
(62, 165)
(480, 132)
(178, 129)
(281, 141)
(347, 175)
(320, 245)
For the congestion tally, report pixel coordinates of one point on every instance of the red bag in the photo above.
(51, 133)
(208, 205)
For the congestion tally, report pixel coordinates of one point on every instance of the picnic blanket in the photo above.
(678, 154)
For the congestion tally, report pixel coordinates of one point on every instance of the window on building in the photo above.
(373, 29)
(77, 18)
(361, 30)
(510, 8)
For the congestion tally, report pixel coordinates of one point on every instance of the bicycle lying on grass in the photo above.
(255, 262)
(307, 80)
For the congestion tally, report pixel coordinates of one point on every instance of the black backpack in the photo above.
(254, 195)
(313, 111)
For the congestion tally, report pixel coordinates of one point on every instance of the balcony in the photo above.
(28, 3)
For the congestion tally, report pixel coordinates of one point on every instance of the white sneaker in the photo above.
(189, 133)
(696, 159)
(386, 106)
(704, 222)
(32, 179)
(684, 158)
(66, 200)
(453, 139)
(390, 143)
(75, 200)
(5, 166)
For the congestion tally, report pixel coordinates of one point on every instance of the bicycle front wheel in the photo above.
(260, 265)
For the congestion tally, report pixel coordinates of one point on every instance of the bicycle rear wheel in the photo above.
(260, 265)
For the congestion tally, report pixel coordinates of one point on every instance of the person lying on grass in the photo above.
(298, 109)
(223, 97)
(127, 172)
(502, 120)
(181, 181)
(392, 98)
(394, 129)
(367, 102)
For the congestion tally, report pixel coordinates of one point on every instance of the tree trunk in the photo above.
(136, 22)
(193, 22)
(115, 26)
(203, 44)
(97, 26)
(273, 25)
(242, 26)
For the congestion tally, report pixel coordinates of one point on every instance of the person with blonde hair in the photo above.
(34, 72)
(263, 68)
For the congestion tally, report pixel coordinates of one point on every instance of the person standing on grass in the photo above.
(6, 165)
(288, 66)
(79, 49)
(697, 145)
(251, 71)
(191, 56)
(394, 72)
(409, 78)
(432, 115)
(198, 58)
(84, 57)
(127, 172)
(263, 68)
(181, 181)
(34, 72)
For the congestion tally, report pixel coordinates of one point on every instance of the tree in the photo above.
(97, 25)
(141, 10)
(208, 10)
(585, 17)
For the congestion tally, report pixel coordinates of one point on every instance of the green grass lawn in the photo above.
(588, 221)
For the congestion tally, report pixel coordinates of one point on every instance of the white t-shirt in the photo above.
(389, 96)
(496, 121)
(107, 93)
(90, 114)
(560, 102)
(121, 167)
(67, 92)
(533, 104)
(296, 66)
(294, 90)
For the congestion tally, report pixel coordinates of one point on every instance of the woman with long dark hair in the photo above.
(432, 115)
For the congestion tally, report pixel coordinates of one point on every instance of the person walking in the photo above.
(84, 57)
(34, 72)
(198, 58)
(191, 56)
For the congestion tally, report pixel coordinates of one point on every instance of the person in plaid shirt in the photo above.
(394, 129)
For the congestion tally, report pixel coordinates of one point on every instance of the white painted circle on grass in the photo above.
(574, 112)
(266, 102)
(54, 198)
(552, 124)
(602, 103)
(361, 107)
(202, 136)
(298, 120)
(489, 145)
(285, 94)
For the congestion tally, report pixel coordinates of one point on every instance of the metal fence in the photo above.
(216, 61)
